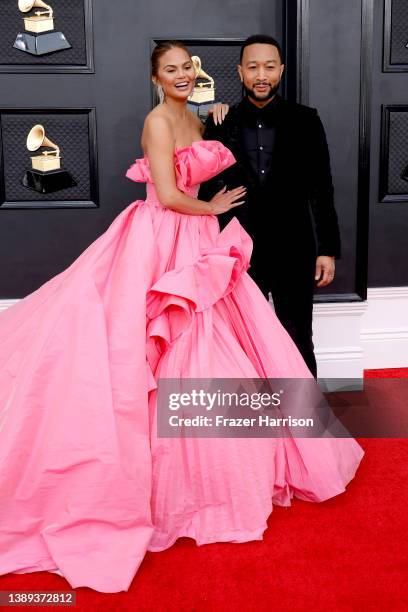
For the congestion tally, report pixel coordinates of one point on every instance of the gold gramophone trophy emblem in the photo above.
(39, 37)
(45, 175)
(203, 95)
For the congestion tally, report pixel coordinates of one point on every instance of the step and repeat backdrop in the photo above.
(75, 88)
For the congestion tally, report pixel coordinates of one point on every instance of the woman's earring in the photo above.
(160, 93)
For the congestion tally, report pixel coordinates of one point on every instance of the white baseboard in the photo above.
(337, 339)
(384, 336)
(353, 336)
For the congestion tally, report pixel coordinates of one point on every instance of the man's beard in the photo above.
(251, 94)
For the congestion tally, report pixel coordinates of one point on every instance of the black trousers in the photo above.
(291, 283)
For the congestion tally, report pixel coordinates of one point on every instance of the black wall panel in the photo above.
(35, 244)
(388, 252)
(73, 131)
(394, 154)
(395, 36)
(71, 17)
(334, 64)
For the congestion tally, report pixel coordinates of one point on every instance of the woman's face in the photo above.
(176, 74)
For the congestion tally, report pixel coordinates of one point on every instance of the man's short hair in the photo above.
(262, 39)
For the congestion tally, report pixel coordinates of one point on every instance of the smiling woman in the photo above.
(171, 127)
(176, 73)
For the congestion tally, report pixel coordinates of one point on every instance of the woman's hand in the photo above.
(225, 200)
(219, 111)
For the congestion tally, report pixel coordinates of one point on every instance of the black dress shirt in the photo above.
(299, 180)
(258, 135)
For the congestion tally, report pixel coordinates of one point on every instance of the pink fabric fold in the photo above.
(193, 165)
(195, 287)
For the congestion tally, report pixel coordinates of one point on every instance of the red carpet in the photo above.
(389, 373)
(348, 553)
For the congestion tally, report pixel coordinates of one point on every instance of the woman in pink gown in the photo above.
(86, 486)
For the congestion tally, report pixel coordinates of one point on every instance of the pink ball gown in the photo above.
(86, 486)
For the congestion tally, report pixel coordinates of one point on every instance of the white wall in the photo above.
(354, 336)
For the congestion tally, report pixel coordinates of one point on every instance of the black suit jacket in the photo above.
(298, 185)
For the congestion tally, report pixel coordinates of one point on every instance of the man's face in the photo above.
(261, 71)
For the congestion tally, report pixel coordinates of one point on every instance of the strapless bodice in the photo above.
(194, 164)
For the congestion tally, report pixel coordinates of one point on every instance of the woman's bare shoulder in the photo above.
(157, 119)
(156, 124)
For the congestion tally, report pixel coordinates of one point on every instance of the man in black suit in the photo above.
(283, 160)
